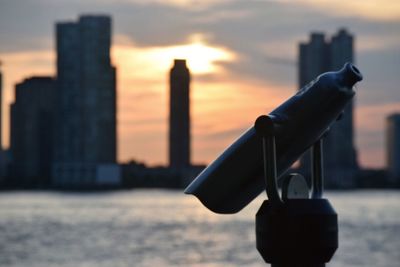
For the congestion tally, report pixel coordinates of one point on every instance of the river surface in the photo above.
(167, 228)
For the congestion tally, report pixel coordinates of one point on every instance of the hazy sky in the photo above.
(242, 55)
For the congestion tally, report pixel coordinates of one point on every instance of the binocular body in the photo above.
(235, 178)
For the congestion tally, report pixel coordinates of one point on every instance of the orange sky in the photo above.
(227, 45)
(220, 110)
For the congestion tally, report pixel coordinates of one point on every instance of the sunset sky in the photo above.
(242, 56)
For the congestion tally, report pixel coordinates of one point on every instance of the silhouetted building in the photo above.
(138, 175)
(1, 105)
(3, 161)
(393, 148)
(86, 101)
(31, 132)
(315, 57)
(179, 116)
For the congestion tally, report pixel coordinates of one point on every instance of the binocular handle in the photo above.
(317, 167)
(266, 128)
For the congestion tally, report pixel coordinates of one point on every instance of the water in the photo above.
(167, 228)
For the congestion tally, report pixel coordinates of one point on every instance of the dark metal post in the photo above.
(317, 167)
(265, 128)
(293, 232)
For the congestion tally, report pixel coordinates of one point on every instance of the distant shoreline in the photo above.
(100, 190)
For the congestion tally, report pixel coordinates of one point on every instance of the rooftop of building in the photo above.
(394, 116)
(86, 18)
(180, 62)
(38, 79)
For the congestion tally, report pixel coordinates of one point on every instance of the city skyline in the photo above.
(229, 77)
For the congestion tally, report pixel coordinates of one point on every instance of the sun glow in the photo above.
(143, 99)
(201, 57)
(143, 92)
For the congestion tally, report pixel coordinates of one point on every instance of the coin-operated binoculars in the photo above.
(292, 229)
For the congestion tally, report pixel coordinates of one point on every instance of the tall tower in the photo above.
(341, 157)
(86, 99)
(1, 107)
(393, 148)
(315, 57)
(179, 116)
(31, 131)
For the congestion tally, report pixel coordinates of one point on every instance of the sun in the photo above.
(150, 62)
(201, 57)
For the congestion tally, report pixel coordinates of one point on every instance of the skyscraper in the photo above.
(393, 148)
(86, 100)
(315, 57)
(31, 131)
(179, 116)
(2, 153)
(1, 112)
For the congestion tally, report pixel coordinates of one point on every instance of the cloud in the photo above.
(381, 77)
(370, 9)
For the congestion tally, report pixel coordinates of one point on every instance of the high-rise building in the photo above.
(315, 57)
(179, 116)
(393, 148)
(1, 105)
(3, 161)
(86, 101)
(31, 131)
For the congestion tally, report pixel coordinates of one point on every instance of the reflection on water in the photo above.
(167, 228)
